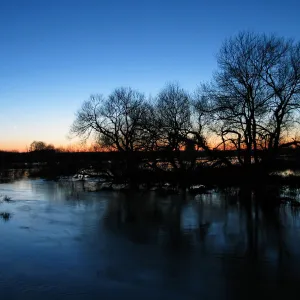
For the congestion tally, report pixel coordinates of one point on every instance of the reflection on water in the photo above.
(65, 242)
(287, 173)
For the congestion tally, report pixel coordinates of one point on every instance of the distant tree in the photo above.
(40, 146)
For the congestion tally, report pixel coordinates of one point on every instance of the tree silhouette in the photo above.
(40, 146)
(116, 121)
(254, 96)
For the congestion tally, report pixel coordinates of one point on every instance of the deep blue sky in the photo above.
(55, 53)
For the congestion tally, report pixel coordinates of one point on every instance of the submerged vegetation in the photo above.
(5, 216)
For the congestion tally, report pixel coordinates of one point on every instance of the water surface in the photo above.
(66, 242)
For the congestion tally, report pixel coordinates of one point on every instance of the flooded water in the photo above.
(60, 241)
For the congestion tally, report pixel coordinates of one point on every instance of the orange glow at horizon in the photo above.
(68, 146)
(23, 147)
(75, 145)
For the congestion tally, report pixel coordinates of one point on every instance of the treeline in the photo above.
(251, 106)
(150, 168)
(248, 115)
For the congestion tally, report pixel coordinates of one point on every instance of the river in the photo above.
(60, 240)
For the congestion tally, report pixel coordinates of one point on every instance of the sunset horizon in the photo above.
(55, 55)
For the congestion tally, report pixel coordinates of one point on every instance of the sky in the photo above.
(55, 53)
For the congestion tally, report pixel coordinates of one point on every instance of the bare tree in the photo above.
(116, 122)
(281, 73)
(40, 146)
(255, 93)
(205, 128)
(242, 96)
(172, 121)
(173, 117)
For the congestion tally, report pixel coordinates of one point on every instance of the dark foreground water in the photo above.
(62, 242)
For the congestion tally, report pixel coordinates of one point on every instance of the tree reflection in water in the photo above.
(232, 243)
(245, 228)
